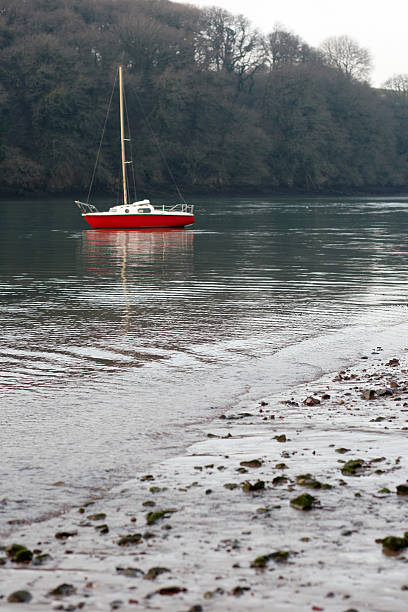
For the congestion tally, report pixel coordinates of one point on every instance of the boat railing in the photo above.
(185, 208)
(86, 208)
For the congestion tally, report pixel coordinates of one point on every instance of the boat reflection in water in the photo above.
(147, 262)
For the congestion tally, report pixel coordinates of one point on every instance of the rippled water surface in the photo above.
(115, 343)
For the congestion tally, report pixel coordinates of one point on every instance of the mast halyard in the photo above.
(122, 137)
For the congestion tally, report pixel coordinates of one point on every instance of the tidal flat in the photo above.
(297, 501)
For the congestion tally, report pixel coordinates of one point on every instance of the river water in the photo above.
(117, 345)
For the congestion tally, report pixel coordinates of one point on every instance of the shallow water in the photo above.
(115, 344)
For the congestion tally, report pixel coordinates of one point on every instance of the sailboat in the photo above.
(134, 215)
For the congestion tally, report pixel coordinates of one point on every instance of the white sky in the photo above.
(379, 26)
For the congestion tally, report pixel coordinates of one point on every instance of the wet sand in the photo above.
(225, 527)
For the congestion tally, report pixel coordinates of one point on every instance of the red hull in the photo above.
(137, 221)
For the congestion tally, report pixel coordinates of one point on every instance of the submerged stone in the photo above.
(402, 489)
(64, 535)
(239, 590)
(63, 590)
(280, 556)
(171, 590)
(131, 572)
(254, 463)
(19, 597)
(211, 594)
(368, 394)
(311, 401)
(385, 392)
(41, 559)
(278, 480)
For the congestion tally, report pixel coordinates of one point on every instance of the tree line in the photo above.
(211, 102)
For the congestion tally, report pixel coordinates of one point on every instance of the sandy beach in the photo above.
(295, 502)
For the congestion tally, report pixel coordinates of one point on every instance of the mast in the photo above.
(122, 137)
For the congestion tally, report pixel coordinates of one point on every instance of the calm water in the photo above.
(116, 344)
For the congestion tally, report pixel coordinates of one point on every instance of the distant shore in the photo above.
(214, 192)
(289, 503)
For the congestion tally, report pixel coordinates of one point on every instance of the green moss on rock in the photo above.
(128, 540)
(259, 485)
(280, 556)
(393, 545)
(261, 562)
(303, 502)
(352, 467)
(153, 572)
(307, 480)
(153, 517)
(19, 553)
(42, 559)
(99, 516)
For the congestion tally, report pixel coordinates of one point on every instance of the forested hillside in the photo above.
(230, 108)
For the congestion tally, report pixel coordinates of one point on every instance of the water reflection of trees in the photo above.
(138, 258)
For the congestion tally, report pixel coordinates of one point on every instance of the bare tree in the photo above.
(283, 48)
(229, 43)
(345, 53)
(398, 83)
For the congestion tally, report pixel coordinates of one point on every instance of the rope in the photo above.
(100, 143)
(160, 150)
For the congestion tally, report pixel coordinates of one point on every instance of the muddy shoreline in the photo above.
(285, 504)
